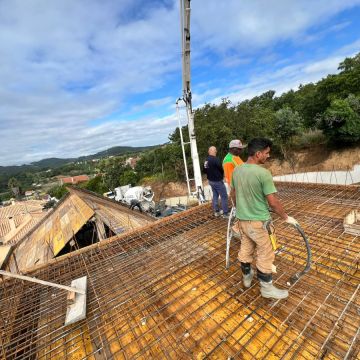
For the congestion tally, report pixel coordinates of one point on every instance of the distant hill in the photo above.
(117, 150)
(53, 163)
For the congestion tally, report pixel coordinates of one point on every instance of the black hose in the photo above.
(297, 276)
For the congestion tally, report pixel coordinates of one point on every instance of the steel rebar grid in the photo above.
(163, 292)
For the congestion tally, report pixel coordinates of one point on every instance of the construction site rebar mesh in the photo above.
(162, 291)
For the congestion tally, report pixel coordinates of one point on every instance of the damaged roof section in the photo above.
(81, 216)
(18, 219)
(116, 216)
(162, 291)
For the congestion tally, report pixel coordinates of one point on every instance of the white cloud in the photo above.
(154, 103)
(66, 63)
(233, 61)
(323, 67)
(65, 66)
(284, 79)
(249, 25)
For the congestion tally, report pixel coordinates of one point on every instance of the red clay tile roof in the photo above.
(75, 179)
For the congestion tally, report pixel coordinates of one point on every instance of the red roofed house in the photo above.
(74, 179)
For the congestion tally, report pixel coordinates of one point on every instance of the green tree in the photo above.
(309, 104)
(96, 184)
(350, 64)
(129, 176)
(5, 196)
(288, 123)
(341, 120)
(167, 162)
(113, 171)
(214, 124)
(58, 191)
(14, 186)
(265, 100)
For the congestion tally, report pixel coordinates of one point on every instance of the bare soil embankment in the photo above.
(317, 158)
(163, 190)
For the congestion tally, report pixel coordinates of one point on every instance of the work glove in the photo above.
(290, 220)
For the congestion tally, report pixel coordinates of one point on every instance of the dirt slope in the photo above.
(163, 190)
(317, 159)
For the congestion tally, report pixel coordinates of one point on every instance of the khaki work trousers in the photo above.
(254, 235)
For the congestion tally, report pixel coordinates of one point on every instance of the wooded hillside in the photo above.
(326, 112)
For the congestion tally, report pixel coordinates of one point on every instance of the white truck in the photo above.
(137, 196)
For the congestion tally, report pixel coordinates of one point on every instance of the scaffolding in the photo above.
(162, 291)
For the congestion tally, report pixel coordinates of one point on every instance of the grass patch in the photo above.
(309, 139)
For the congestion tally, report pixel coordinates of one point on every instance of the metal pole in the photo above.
(185, 44)
(183, 149)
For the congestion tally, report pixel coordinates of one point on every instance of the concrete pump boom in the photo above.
(185, 44)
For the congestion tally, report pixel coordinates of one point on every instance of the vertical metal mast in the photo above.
(185, 45)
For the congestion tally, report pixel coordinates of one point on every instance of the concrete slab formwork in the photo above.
(162, 291)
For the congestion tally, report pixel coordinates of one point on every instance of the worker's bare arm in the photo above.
(276, 205)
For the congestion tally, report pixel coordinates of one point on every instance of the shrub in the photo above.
(309, 138)
(341, 120)
(58, 191)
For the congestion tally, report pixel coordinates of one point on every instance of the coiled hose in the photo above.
(297, 276)
(229, 235)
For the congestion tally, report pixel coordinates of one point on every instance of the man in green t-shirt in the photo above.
(253, 189)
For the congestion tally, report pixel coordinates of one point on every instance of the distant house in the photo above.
(74, 179)
(29, 194)
(131, 162)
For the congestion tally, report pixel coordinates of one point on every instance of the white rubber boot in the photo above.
(268, 290)
(247, 279)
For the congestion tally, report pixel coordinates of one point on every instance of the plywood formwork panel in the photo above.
(115, 215)
(51, 235)
(37, 244)
(4, 254)
(163, 292)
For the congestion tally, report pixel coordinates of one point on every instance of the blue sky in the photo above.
(77, 77)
